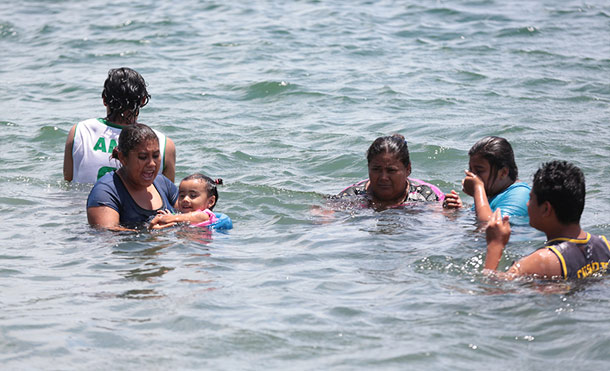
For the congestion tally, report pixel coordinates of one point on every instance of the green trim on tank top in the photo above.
(108, 123)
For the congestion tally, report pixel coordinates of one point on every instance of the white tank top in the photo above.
(94, 140)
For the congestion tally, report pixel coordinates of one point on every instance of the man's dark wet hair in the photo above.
(394, 145)
(132, 136)
(499, 153)
(563, 185)
(210, 185)
(124, 94)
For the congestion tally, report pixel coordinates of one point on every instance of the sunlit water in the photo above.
(281, 100)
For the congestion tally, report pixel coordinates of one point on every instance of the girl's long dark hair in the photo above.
(499, 153)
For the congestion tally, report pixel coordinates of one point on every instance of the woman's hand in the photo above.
(452, 200)
(162, 220)
(471, 182)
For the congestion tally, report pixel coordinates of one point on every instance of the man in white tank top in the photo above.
(90, 143)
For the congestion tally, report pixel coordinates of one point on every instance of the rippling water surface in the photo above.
(281, 100)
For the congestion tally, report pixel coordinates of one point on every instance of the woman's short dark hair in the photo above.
(499, 153)
(394, 144)
(132, 136)
(210, 185)
(124, 93)
(563, 185)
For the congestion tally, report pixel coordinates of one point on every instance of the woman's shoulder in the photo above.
(356, 189)
(427, 191)
(105, 190)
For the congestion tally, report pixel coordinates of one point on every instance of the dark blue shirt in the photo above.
(581, 258)
(110, 191)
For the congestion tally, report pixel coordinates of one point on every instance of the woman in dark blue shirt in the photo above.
(129, 196)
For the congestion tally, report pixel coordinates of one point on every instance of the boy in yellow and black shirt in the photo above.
(556, 203)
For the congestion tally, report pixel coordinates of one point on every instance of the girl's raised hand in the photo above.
(471, 182)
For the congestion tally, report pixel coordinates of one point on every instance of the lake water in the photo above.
(281, 99)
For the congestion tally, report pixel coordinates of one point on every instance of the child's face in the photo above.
(481, 168)
(192, 196)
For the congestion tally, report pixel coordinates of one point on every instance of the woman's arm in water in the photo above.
(541, 264)
(474, 186)
(105, 217)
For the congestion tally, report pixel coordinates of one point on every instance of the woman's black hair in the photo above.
(124, 94)
(132, 136)
(499, 153)
(563, 185)
(394, 144)
(210, 185)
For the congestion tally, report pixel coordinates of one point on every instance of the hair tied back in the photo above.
(218, 181)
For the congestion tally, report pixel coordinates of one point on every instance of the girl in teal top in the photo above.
(492, 181)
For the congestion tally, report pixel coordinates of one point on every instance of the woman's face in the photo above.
(388, 177)
(192, 196)
(142, 163)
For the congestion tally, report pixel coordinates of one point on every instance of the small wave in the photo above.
(7, 30)
(50, 134)
(518, 31)
(267, 89)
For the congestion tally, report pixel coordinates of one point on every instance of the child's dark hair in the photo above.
(395, 145)
(124, 94)
(499, 153)
(210, 185)
(563, 185)
(132, 136)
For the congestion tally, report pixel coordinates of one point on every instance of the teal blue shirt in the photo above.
(513, 200)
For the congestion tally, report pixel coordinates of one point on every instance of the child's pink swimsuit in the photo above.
(213, 219)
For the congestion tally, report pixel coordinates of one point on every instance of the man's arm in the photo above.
(169, 169)
(68, 160)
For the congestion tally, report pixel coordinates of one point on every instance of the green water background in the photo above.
(281, 100)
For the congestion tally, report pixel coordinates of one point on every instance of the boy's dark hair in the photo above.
(563, 185)
(210, 185)
(499, 153)
(132, 136)
(124, 93)
(395, 145)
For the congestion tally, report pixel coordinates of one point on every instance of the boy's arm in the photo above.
(542, 263)
(497, 234)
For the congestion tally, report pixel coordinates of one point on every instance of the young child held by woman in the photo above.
(197, 196)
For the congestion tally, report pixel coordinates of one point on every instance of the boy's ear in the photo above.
(409, 170)
(503, 173)
(547, 209)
